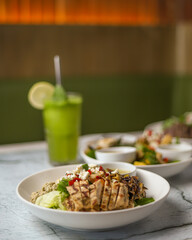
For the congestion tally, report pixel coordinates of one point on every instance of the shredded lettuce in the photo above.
(52, 199)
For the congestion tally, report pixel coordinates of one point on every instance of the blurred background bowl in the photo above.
(116, 154)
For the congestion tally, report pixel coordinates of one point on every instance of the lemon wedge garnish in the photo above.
(40, 92)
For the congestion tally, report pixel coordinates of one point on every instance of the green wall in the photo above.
(111, 103)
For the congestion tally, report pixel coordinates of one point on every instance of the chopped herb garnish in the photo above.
(91, 153)
(143, 201)
(62, 186)
(85, 166)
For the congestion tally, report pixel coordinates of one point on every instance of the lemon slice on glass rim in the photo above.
(40, 92)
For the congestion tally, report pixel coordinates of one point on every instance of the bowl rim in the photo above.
(167, 187)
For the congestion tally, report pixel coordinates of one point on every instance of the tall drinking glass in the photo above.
(62, 122)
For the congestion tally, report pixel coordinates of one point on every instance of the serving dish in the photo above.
(164, 170)
(92, 220)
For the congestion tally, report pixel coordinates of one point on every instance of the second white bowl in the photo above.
(116, 154)
(182, 151)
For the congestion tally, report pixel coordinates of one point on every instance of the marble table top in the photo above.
(172, 221)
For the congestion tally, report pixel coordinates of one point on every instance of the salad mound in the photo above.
(92, 188)
(145, 145)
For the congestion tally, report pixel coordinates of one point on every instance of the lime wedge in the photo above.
(40, 92)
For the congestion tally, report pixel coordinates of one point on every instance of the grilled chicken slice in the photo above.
(120, 203)
(96, 190)
(106, 195)
(84, 186)
(69, 204)
(114, 194)
(75, 195)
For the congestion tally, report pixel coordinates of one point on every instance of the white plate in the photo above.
(158, 188)
(164, 170)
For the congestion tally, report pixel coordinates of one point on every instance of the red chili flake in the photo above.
(98, 177)
(89, 171)
(165, 159)
(149, 132)
(107, 174)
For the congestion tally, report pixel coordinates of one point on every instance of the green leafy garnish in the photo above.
(62, 186)
(148, 154)
(85, 166)
(143, 201)
(91, 153)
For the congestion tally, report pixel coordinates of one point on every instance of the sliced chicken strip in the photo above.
(96, 190)
(106, 195)
(84, 186)
(69, 204)
(114, 194)
(75, 195)
(120, 203)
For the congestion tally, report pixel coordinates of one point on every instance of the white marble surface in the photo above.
(172, 221)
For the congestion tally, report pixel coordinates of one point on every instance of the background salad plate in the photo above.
(92, 220)
(165, 170)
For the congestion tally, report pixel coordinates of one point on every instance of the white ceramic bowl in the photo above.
(158, 188)
(116, 154)
(182, 151)
(164, 170)
(125, 167)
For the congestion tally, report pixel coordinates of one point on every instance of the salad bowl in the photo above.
(164, 170)
(92, 220)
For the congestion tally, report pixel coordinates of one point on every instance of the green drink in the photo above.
(62, 120)
(61, 115)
